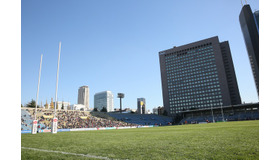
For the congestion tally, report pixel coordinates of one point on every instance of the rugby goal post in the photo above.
(35, 122)
(54, 125)
(34, 127)
(54, 120)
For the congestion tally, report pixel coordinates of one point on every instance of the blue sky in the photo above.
(114, 45)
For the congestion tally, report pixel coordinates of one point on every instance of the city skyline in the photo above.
(117, 51)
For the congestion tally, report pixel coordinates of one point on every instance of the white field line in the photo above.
(75, 154)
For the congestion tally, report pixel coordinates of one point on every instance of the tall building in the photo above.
(141, 105)
(104, 99)
(83, 96)
(198, 75)
(249, 23)
(256, 18)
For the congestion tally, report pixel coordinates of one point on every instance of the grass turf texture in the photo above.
(228, 140)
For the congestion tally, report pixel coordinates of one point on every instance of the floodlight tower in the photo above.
(120, 95)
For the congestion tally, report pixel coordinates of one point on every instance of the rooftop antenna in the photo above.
(246, 1)
(241, 3)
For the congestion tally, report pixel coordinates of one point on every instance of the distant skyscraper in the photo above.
(198, 75)
(141, 105)
(83, 96)
(249, 23)
(104, 99)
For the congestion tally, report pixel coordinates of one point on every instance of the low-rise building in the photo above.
(77, 107)
(64, 104)
(155, 110)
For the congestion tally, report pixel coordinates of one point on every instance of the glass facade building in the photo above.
(141, 105)
(249, 23)
(104, 99)
(197, 76)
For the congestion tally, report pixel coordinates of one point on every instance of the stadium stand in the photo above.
(218, 118)
(231, 113)
(67, 119)
(142, 119)
(26, 120)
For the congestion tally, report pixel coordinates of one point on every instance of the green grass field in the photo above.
(229, 140)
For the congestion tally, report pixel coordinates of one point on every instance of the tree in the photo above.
(32, 104)
(46, 105)
(95, 110)
(103, 109)
(21, 105)
(52, 106)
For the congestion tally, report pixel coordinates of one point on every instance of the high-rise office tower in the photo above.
(104, 99)
(198, 75)
(256, 18)
(249, 23)
(83, 96)
(141, 105)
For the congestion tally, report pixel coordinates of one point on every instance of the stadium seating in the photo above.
(142, 119)
(237, 116)
(27, 119)
(67, 120)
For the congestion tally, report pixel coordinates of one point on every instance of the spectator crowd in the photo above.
(71, 119)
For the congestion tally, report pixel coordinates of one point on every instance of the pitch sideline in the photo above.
(75, 154)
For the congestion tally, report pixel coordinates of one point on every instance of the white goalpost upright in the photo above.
(54, 121)
(35, 122)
